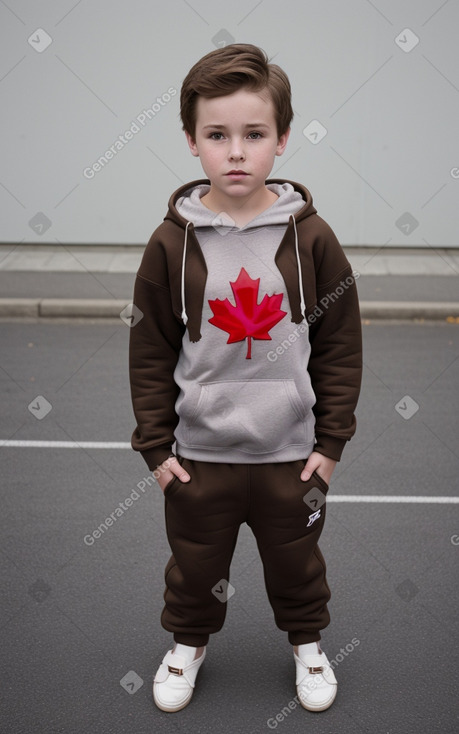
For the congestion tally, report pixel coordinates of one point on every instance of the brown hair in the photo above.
(228, 69)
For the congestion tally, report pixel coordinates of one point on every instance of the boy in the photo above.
(259, 408)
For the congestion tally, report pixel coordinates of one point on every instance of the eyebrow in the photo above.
(250, 124)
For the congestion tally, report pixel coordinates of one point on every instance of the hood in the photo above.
(288, 202)
(187, 199)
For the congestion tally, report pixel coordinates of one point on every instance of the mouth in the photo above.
(236, 173)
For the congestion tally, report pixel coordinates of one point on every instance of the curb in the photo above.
(433, 311)
(62, 307)
(98, 308)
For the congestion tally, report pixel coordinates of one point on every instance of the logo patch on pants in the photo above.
(312, 518)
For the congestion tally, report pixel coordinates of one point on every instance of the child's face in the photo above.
(237, 133)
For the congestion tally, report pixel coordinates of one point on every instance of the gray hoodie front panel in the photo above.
(244, 399)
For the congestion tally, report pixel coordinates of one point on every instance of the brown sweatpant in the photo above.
(203, 517)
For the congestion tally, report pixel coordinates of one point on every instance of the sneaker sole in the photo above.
(319, 706)
(169, 708)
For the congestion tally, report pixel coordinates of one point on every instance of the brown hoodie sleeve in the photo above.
(154, 348)
(335, 364)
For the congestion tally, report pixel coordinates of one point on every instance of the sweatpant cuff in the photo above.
(303, 638)
(190, 639)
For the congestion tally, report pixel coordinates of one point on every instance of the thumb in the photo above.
(177, 469)
(310, 466)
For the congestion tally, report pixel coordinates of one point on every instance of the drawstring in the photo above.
(300, 277)
(184, 315)
(182, 288)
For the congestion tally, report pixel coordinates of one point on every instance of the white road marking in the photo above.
(66, 444)
(381, 498)
(392, 498)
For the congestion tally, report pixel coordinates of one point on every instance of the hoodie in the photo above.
(248, 345)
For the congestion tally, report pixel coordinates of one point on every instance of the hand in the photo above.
(170, 468)
(323, 465)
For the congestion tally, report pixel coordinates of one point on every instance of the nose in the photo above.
(236, 151)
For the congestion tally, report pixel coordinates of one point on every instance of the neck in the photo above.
(243, 209)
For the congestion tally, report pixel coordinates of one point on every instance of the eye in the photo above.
(216, 136)
(254, 136)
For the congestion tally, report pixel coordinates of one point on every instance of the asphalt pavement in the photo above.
(81, 610)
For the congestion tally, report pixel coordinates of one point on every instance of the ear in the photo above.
(282, 142)
(192, 144)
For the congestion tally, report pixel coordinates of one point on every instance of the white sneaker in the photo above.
(175, 680)
(316, 684)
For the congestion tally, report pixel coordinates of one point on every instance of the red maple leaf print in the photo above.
(247, 318)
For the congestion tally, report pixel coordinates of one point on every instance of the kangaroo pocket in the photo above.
(260, 416)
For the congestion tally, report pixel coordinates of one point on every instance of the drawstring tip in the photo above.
(182, 283)
(303, 310)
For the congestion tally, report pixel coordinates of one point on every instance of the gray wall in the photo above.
(386, 172)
